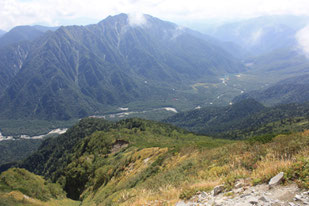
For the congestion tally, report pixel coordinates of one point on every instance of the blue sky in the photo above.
(185, 12)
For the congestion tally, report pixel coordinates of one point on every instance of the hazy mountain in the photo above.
(79, 70)
(291, 90)
(284, 61)
(262, 34)
(23, 33)
(2, 32)
(19, 34)
(45, 28)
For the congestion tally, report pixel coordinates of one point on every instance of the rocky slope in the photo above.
(271, 194)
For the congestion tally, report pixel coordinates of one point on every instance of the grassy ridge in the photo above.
(138, 162)
(160, 174)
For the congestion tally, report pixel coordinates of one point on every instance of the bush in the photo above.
(299, 172)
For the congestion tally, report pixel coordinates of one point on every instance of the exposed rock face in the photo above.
(118, 145)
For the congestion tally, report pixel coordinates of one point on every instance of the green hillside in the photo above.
(290, 90)
(246, 118)
(138, 162)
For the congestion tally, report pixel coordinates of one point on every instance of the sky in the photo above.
(184, 12)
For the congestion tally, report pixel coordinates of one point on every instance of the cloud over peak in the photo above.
(302, 38)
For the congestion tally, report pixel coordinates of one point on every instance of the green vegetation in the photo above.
(29, 184)
(16, 150)
(135, 162)
(19, 187)
(81, 157)
(244, 119)
(291, 90)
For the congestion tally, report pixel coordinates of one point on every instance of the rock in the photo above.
(244, 195)
(218, 189)
(298, 198)
(305, 193)
(276, 179)
(264, 199)
(239, 190)
(239, 184)
(204, 194)
(253, 201)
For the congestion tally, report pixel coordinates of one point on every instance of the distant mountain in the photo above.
(80, 70)
(45, 28)
(23, 33)
(281, 62)
(243, 119)
(262, 34)
(291, 90)
(19, 34)
(2, 32)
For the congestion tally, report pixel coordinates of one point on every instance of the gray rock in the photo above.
(218, 189)
(253, 201)
(276, 179)
(239, 184)
(298, 198)
(244, 195)
(239, 190)
(204, 194)
(264, 199)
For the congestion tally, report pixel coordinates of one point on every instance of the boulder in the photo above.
(218, 189)
(276, 179)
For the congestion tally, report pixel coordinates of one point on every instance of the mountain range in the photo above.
(76, 71)
(237, 104)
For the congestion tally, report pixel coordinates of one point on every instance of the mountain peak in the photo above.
(134, 19)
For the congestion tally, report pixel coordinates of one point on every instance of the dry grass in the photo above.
(257, 162)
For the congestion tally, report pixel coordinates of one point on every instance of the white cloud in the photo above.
(302, 37)
(53, 12)
(137, 19)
